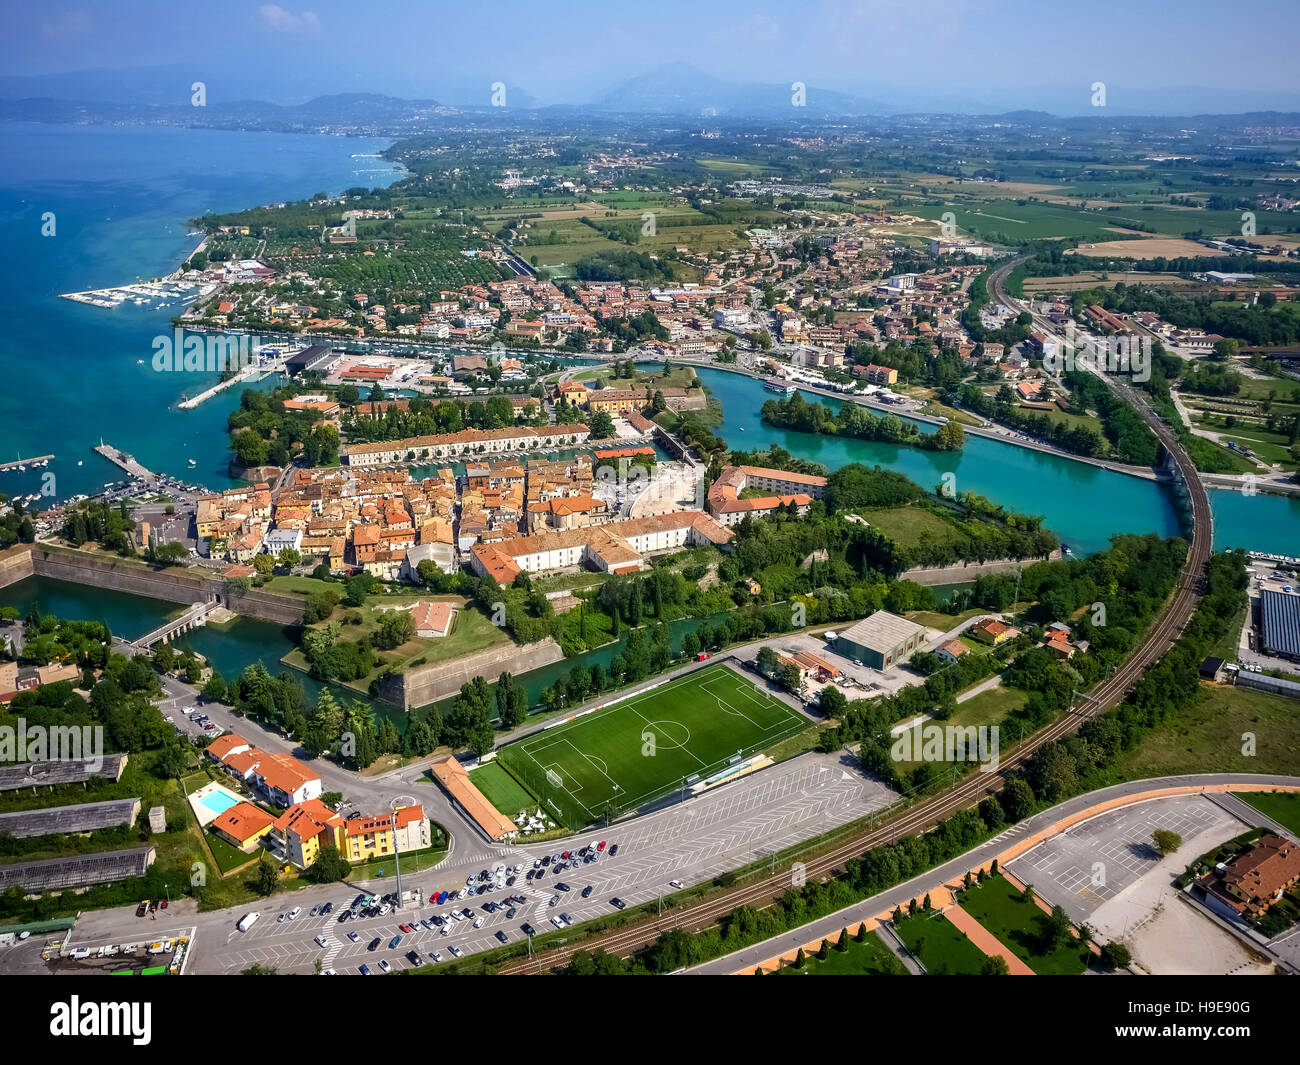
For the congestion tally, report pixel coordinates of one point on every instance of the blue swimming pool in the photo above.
(218, 802)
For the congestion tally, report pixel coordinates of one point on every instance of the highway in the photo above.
(1163, 632)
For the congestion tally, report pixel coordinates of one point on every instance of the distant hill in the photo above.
(682, 89)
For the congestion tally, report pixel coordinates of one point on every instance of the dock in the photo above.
(120, 458)
(24, 462)
(253, 371)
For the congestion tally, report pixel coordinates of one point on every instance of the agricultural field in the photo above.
(634, 751)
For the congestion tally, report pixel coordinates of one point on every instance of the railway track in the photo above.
(967, 792)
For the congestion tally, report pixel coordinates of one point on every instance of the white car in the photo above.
(676, 884)
(385, 967)
(455, 950)
(293, 914)
(478, 923)
(321, 941)
(436, 955)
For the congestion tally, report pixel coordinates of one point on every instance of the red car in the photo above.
(601, 845)
(405, 928)
(564, 855)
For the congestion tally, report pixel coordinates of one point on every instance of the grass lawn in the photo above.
(942, 947)
(869, 958)
(1021, 926)
(502, 790)
(640, 748)
(1283, 807)
(1207, 737)
(470, 631)
(412, 861)
(907, 525)
(291, 585)
(228, 856)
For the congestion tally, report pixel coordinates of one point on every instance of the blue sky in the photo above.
(966, 54)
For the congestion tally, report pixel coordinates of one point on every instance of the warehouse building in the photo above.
(1280, 613)
(880, 641)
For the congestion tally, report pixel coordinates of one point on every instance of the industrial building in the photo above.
(880, 641)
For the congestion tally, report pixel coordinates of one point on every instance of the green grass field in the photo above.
(1020, 925)
(1282, 807)
(942, 947)
(634, 751)
(869, 958)
(502, 790)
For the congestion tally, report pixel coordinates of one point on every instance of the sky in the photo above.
(1153, 57)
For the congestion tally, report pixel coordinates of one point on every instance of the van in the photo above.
(247, 921)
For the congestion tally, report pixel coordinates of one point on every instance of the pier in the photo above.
(258, 370)
(19, 463)
(120, 458)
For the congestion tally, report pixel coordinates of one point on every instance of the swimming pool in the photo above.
(217, 802)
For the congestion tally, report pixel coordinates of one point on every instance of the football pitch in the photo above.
(636, 750)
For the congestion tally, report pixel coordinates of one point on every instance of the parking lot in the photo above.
(682, 845)
(1097, 860)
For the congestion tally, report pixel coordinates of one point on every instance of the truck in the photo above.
(247, 921)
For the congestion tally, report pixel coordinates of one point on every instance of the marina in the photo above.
(141, 293)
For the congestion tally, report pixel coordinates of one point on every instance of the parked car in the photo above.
(374, 943)
(384, 966)
(562, 886)
(527, 929)
(322, 942)
(392, 943)
(586, 892)
(601, 845)
(618, 903)
(502, 937)
(413, 956)
(293, 914)
(365, 970)
(354, 937)
(455, 950)
(613, 849)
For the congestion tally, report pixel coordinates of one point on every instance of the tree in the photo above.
(799, 960)
(842, 944)
(1058, 927)
(1166, 842)
(823, 952)
(1016, 799)
(267, 877)
(767, 661)
(791, 678)
(329, 868)
(395, 628)
(1115, 956)
(264, 564)
(995, 965)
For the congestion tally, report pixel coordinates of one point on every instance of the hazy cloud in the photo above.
(275, 17)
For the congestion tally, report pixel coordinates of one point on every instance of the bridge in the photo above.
(193, 617)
